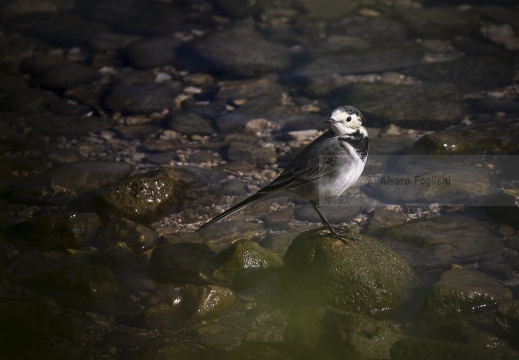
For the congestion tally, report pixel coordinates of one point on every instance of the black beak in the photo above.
(330, 121)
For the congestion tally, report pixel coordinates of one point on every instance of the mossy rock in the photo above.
(364, 277)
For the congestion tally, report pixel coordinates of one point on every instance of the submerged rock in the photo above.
(442, 241)
(138, 237)
(419, 106)
(68, 183)
(243, 51)
(153, 52)
(57, 231)
(329, 334)
(364, 277)
(507, 316)
(463, 292)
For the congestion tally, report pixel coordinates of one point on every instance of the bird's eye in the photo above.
(348, 119)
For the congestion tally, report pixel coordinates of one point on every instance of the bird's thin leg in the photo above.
(326, 223)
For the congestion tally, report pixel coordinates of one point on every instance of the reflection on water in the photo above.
(127, 123)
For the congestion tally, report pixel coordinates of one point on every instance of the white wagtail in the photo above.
(325, 168)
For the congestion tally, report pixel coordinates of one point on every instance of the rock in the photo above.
(223, 234)
(80, 286)
(204, 302)
(182, 263)
(243, 150)
(140, 98)
(336, 214)
(375, 30)
(138, 237)
(442, 241)
(463, 292)
(57, 231)
(136, 16)
(492, 138)
(67, 76)
(11, 84)
(143, 198)
(327, 9)
(384, 218)
(38, 64)
(75, 125)
(364, 277)
(17, 313)
(16, 8)
(377, 59)
(242, 51)
(168, 349)
(417, 348)
(418, 106)
(461, 332)
(25, 101)
(68, 183)
(249, 88)
(117, 256)
(507, 316)
(190, 123)
(444, 22)
(328, 333)
(423, 180)
(472, 73)
(243, 263)
(150, 53)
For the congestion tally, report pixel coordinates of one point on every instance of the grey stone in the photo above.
(250, 151)
(140, 98)
(462, 292)
(376, 59)
(377, 30)
(243, 51)
(442, 241)
(364, 277)
(150, 53)
(422, 106)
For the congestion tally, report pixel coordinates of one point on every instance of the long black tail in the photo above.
(249, 201)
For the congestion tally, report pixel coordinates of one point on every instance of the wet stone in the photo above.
(182, 263)
(240, 150)
(327, 9)
(80, 286)
(204, 302)
(150, 53)
(16, 8)
(243, 263)
(69, 182)
(140, 98)
(463, 292)
(460, 331)
(16, 313)
(442, 241)
(67, 76)
(507, 316)
(118, 256)
(138, 237)
(190, 123)
(377, 59)
(327, 333)
(242, 51)
(426, 349)
(142, 198)
(418, 106)
(378, 30)
(364, 277)
(237, 89)
(57, 231)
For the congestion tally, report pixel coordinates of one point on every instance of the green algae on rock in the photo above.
(364, 277)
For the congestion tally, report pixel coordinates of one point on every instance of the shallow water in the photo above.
(125, 125)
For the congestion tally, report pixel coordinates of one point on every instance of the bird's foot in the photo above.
(341, 235)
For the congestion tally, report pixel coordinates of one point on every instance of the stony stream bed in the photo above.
(126, 124)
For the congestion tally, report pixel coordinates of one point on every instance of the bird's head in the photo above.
(346, 120)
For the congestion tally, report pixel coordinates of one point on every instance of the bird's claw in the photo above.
(341, 235)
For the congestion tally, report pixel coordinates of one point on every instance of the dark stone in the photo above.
(143, 198)
(330, 334)
(182, 263)
(378, 30)
(418, 106)
(150, 53)
(376, 59)
(17, 8)
(442, 241)
(242, 51)
(190, 123)
(57, 231)
(138, 237)
(68, 183)
(463, 292)
(241, 150)
(507, 316)
(67, 76)
(364, 277)
(140, 98)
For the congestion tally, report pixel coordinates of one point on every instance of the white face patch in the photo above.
(345, 122)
